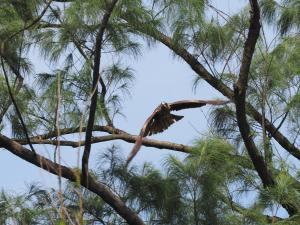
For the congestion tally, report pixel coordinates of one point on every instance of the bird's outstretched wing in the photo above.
(162, 118)
(188, 104)
(160, 123)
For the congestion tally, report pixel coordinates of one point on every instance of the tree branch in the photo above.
(8, 103)
(96, 187)
(240, 97)
(96, 78)
(19, 78)
(73, 130)
(16, 106)
(102, 102)
(215, 83)
(122, 136)
(81, 51)
(240, 89)
(242, 210)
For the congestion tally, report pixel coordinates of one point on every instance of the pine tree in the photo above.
(251, 57)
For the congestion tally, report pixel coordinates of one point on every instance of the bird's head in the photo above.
(164, 107)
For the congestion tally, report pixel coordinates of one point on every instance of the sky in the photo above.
(159, 77)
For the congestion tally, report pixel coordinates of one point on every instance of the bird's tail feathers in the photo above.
(135, 149)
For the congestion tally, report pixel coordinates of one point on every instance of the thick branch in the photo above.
(102, 102)
(242, 161)
(249, 48)
(96, 78)
(274, 131)
(240, 97)
(213, 81)
(98, 188)
(240, 89)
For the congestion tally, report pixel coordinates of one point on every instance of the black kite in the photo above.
(162, 118)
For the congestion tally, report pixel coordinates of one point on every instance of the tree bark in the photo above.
(96, 187)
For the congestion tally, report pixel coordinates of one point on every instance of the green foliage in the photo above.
(269, 10)
(206, 187)
(201, 188)
(283, 14)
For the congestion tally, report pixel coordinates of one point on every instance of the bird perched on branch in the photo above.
(162, 118)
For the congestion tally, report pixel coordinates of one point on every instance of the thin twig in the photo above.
(16, 106)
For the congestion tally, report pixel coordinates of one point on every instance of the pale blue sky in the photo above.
(159, 77)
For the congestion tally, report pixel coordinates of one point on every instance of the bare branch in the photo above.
(122, 136)
(73, 130)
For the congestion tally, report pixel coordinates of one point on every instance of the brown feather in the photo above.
(186, 104)
(135, 149)
(148, 126)
(161, 119)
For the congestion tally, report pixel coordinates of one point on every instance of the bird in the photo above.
(162, 118)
